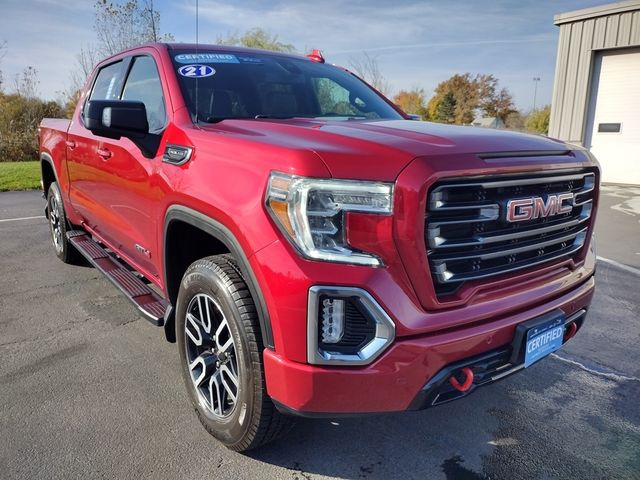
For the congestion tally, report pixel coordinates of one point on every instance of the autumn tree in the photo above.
(515, 121)
(366, 67)
(71, 102)
(411, 101)
(538, 120)
(471, 94)
(445, 111)
(459, 90)
(499, 104)
(19, 120)
(256, 38)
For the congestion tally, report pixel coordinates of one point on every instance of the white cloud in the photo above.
(46, 34)
(417, 42)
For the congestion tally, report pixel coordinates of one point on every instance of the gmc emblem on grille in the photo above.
(536, 207)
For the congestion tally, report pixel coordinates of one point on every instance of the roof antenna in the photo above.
(197, 102)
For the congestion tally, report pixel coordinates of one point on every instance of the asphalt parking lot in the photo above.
(89, 390)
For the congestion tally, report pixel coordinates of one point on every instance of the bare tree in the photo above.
(3, 52)
(367, 67)
(86, 59)
(26, 83)
(121, 25)
(151, 21)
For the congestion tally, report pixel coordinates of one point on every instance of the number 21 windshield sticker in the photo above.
(196, 71)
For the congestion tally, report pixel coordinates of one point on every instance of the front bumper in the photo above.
(409, 374)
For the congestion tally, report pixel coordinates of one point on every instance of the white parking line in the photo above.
(19, 219)
(619, 265)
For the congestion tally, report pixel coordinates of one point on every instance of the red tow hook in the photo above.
(572, 328)
(466, 385)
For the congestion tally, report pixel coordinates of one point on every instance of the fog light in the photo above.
(332, 320)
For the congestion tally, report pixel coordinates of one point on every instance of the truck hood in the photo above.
(351, 148)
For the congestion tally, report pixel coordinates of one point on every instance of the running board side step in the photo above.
(149, 303)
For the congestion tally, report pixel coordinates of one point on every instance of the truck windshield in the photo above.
(225, 85)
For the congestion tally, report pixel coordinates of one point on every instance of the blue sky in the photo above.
(417, 43)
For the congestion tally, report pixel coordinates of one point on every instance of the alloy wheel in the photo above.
(55, 219)
(211, 356)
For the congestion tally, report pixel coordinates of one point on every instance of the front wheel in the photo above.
(220, 348)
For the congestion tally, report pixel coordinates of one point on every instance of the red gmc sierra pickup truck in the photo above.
(311, 249)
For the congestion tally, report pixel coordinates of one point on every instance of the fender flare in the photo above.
(224, 235)
(45, 157)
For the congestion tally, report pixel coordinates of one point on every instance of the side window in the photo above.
(334, 99)
(107, 85)
(143, 84)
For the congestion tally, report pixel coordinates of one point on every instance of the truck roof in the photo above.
(192, 47)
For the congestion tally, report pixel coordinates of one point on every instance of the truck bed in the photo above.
(53, 135)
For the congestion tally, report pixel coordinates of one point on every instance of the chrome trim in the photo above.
(514, 251)
(166, 158)
(575, 316)
(441, 206)
(591, 179)
(444, 276)
(384, 334)
(480, 240)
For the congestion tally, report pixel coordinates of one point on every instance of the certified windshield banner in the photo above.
(206, 58)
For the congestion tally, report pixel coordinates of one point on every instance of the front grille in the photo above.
(468, 237)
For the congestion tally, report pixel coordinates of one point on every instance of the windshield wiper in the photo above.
(277, 117)
(215, 119)
(281, 117)
(257, 117)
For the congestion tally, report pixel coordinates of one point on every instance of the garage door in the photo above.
(614, 123)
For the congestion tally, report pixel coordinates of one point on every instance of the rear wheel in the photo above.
(220, 348)
(58, 227)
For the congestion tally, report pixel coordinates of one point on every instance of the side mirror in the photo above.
(116, 118)
(121, 118)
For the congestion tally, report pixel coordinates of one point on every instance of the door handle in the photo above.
(105, 153)
(71, 144)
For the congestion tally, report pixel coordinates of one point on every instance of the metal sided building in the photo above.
(596, 92)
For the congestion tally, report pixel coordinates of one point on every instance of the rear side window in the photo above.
(107, 86)
(143, 84)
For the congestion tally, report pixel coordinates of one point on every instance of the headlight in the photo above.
(310, 212)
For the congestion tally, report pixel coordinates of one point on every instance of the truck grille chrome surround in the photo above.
(469, 234)
(358, 346)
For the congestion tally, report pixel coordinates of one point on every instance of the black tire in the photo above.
(253, 420)
(58, 227)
